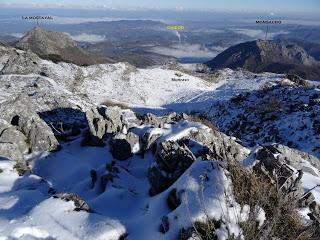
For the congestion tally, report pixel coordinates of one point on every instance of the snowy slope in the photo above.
(152, 88)
(27, 211)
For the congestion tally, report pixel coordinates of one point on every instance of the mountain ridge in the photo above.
(57, 47)
(268, 56)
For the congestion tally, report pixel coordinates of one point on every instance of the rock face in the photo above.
(13, 61)
(219, 146)
(13, 144)
(102, 121)
(172, 159)
(57, 47)
(19, 112)
(274, 167)
(267, 56)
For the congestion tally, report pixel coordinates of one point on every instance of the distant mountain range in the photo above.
(268, 56)
(56, 46)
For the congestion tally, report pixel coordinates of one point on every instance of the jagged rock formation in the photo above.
(267, 56)
(80, 204)
(191, 163)
(219, 146)
(13, 144)
(172, 159)
(13, 61)
(20, 113)
(57, 47)
(102, 121)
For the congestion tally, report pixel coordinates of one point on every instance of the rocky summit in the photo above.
(268, 56)
(112, 151)
(58, 47)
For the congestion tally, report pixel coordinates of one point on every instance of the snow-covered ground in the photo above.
(154, 88)
(27, 211)
(27, 208)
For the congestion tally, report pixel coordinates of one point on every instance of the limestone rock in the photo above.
(19, 112)
(124, 146)
(102, 121)
(172, 159)
(220, 145)
(13, 144)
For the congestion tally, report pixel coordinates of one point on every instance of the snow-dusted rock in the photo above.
(288, 114)
(149, 138)
(172, 161)
(123, 146)
(102, 121)
(152, 119)
(13, 61)
(20, 112)
(221, 147)
(80, 204)
(13, 144)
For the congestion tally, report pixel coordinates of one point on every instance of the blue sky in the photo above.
(220, 5)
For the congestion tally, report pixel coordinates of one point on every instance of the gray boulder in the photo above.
(123, 146)
(172, 117)
(295, 158)
(13, 61)
(173, 158)
(19, 112)
(13, 144)
(221, 146)
(102, 121)
(152, 119)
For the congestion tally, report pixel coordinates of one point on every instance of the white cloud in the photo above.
(187, 51)
(17, 35)
(91, 38)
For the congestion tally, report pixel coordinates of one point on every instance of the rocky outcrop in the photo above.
(19, 112)
(149, 139)
(13, 61)
(102, 121)
(58, 47)
(285, 168)
(295, 158)
(13, 144)
(152, 119)
(219, 146)
(80, 204)
(278, 172)
(284, 112)
(124, 146)
(172, 159)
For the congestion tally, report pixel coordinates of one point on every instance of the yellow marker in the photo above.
(175, 28)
